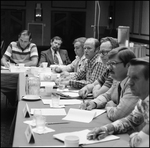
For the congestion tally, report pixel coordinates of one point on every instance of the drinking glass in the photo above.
(36, 113)
(55, 99)
(40, 123)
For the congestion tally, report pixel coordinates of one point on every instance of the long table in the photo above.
(13, 81)
(19, 139)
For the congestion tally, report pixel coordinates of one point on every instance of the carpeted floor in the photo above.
(7, 114)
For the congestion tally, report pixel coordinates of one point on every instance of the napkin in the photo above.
(30, 122)
(46, 130)
(60, 106)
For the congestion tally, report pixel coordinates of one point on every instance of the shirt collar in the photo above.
(18, 44)
(123, 82)
(82, 58)
(53, 51)
(93, 59)
(146, 99)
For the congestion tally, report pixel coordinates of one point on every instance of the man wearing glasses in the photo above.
(104, 82)
(118, 100)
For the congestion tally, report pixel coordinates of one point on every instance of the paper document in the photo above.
(53, 112)
(67, 90)
(63, 102)
(82, 115)
(3, 67)
(83, 137)
(98, 112)
(71, 94)
(47, 83)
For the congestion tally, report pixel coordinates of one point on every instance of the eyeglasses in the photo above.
(104, 53)
(113, 63)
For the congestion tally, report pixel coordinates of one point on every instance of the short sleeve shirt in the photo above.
(19, 55)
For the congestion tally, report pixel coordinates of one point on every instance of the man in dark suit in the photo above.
(55, 55)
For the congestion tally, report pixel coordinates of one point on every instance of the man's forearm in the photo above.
(31, 63)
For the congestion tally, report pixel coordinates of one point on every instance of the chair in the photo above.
(2, 48)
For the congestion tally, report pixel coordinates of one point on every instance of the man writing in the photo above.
(118, 100)
(22, 51)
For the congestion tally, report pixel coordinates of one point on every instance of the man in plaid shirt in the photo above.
(93, 67)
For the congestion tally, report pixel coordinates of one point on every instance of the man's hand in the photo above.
(83, 92)
(97, 133)
(58, 69)
(64, 74)
(87, 105)
(6, 64)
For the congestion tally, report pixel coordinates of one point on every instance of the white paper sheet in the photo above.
(98, 112)
(82, 115)
(83, 137)
(71, 94)
(67, 90)
(3, 67)
(47, 83)
(63, 102)
(79, 115)
(52, 112)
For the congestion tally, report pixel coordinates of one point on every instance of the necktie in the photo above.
(119, 92)
(55, 58)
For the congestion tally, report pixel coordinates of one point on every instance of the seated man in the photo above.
(79, 62)
(118, 100)
(104, 82)
(138, 120)
(22, 51)
(92, 68)
(55, 55)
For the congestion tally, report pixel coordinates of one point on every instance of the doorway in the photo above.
(69, 26)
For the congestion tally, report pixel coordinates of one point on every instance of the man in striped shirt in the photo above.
(21, 51)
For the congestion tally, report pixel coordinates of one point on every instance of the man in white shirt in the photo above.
(78, 63)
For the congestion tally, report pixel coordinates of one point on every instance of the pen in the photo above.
(50, 123)
(92, 134)
(83, 99)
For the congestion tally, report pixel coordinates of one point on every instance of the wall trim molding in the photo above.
(139, 40)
